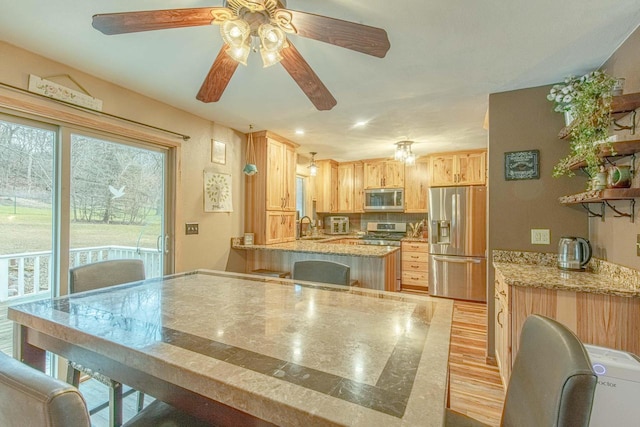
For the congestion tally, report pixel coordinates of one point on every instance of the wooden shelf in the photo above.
(620, 107)
(621, 148)
(597, 196)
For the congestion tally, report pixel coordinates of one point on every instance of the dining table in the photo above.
(241, 349)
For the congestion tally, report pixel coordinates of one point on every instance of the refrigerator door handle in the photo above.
(454, 221)
(458, 260)
(457, 210)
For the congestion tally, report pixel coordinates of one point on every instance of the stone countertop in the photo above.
(416, 239)
(291, 353)
(539, 270)
(324, 246)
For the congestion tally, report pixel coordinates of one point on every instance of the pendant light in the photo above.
(313, 168)
(250, 167)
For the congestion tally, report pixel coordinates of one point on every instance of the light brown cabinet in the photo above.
(383, 174)
(326, 186)
(415, 265)
(603, 320)
(350, 191)
(270, 195)
(416, 184)
(459, 168)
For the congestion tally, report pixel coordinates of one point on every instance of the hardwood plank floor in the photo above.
(475, 387)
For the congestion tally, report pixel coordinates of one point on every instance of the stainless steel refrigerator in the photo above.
(457, 242)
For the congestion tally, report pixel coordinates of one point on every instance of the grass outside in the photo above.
(29, 229)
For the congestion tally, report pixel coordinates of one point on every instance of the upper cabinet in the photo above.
(459, 168)
(326, 183)
(270, 195)
(416, 183)
(281, 170)
(350, 189)
(383, 174)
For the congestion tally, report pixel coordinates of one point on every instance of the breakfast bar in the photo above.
(240, 349)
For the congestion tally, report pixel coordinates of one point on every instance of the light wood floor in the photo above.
(475, 388)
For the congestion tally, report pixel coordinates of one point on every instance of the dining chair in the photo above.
(322, 271)
(99, 275)
(551, 384)
(29, 397)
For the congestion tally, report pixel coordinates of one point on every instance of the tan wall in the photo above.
(210, 248)
(524, 120)
(615, 238)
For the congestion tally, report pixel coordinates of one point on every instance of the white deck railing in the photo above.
(28, 274)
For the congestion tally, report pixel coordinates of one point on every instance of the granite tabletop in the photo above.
(539, 270)
(291, 353)
(324, 246)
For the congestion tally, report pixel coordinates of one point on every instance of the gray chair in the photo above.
(29, 397)
(552, 382)
(32, 398)
(96, 276)
(322, 271)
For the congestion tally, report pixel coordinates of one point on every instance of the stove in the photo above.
(384, 233)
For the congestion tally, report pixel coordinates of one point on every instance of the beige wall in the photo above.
(615, 238)
(524, 120)
(210, 248)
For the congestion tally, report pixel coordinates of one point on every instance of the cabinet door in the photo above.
(358, 190)
(442, 170)
(275, 175)
(274, 227)
(393, 176)
(373, 174)
(288, 230)
(326, 183)
(472, 169)
(416, 184)
(289, 178)
(334, 188)
(346, 189)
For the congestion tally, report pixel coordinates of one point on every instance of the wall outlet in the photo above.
(540, 236)
(191, 228)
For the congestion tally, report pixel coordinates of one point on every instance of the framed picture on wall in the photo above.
(218, 152)
(522, 165)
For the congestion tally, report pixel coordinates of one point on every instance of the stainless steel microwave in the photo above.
(384, 199)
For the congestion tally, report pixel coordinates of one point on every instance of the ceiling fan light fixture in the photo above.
(235, 32)
(270, 58)
(240, 54)
(272, 38)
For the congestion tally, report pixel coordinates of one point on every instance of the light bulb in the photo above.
(313, 170)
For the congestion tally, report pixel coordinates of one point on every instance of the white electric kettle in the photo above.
(573, 253)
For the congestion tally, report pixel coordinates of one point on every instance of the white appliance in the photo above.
(617, 398)
(384, 200)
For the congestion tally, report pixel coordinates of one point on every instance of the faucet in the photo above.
(300, 224)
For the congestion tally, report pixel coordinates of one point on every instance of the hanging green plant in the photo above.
(588, 99)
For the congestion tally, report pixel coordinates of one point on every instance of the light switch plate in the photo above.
(540, 236)
(191, 228)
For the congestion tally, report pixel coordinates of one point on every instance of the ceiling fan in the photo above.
(243, 24)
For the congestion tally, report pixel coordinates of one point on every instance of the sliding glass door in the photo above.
(27, 182)
(70, 197)
(117, 201)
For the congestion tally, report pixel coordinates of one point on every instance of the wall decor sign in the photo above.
(217, 192)
(522, 165)
(218, 152)
(62, 93)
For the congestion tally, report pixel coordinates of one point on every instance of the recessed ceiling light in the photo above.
(360, 124)
(299, 132)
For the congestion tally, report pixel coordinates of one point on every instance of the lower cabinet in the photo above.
(598, 319)
(415, 265)
(281, 227)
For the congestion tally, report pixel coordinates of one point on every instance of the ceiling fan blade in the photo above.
(218, 78)
(350, 35)
(131, 22)
(307, 79)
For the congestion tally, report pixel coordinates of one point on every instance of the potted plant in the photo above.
(588, 100)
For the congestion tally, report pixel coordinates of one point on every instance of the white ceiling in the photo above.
(446, 57)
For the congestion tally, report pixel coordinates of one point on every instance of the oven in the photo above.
(384, 233)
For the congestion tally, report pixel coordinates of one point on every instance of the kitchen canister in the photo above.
(619, 176)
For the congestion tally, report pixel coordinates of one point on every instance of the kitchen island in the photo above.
(374, 267)
(236, 349)
(601, 305)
